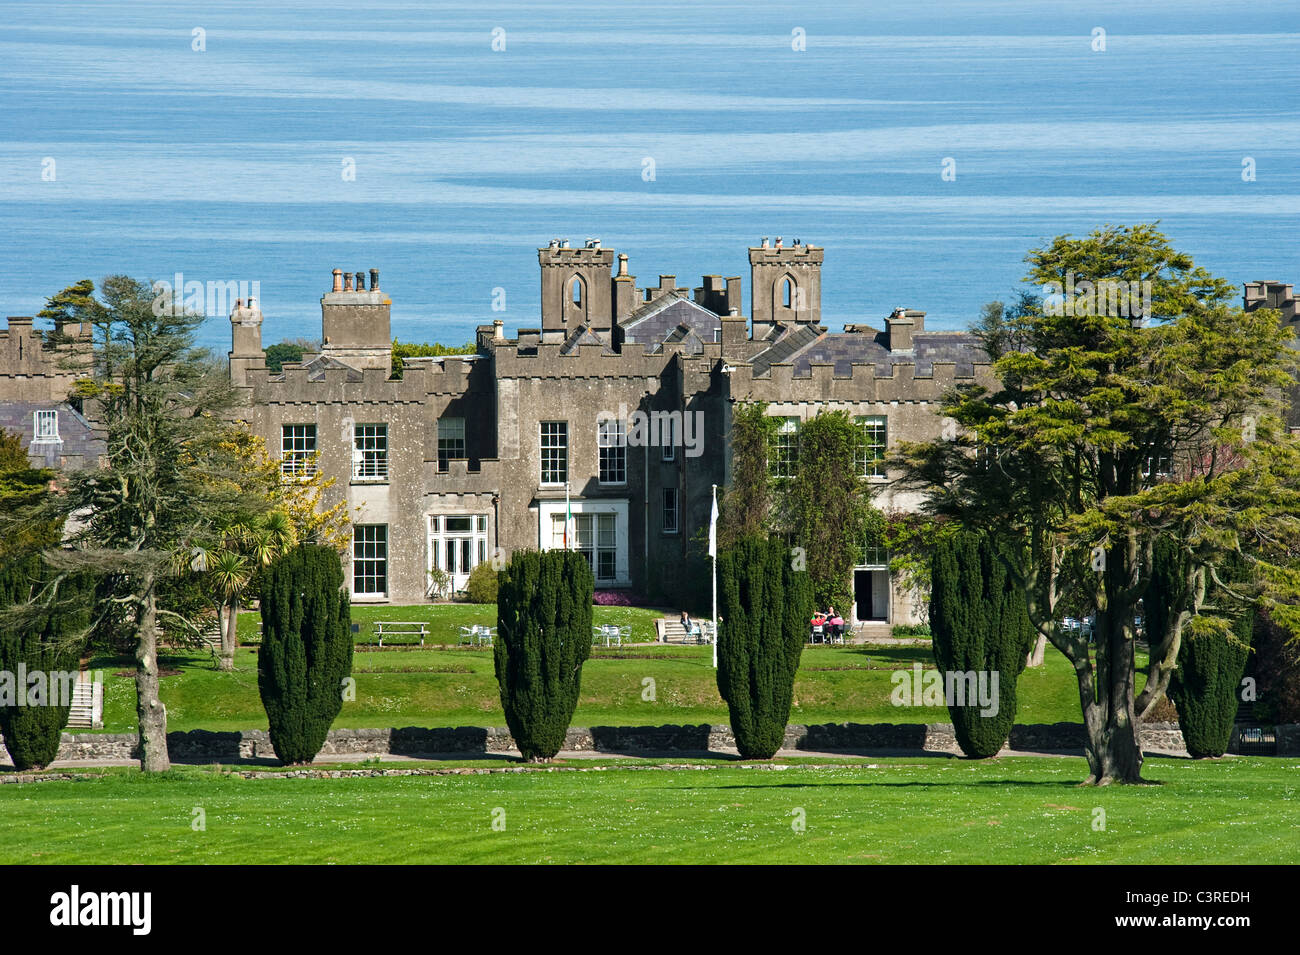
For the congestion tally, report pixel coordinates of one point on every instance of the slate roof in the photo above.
(316, 368)
(672, 318)
(77, 445)
(789, 342)
(584, 336)
(803, 345)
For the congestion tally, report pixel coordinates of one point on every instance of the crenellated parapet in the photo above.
(33, 369)
(548, 360)
(464, 477)
(318, 381)
(864, 383)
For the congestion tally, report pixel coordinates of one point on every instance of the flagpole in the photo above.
(713, 549)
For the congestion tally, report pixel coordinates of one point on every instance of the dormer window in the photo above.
(45, 426)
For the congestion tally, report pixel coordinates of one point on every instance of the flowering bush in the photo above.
(613, 598)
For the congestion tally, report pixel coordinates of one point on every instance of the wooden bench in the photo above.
(401, 628)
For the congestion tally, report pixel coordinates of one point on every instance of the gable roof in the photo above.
(672, 318)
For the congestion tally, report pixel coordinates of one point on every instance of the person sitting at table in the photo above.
(836, 623)
(818, 620)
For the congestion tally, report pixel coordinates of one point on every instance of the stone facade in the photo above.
(485, 454)
(36, 381)
(465, 457)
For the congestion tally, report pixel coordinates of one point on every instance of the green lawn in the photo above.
(457, 687)
(1012, 810)
(445, 621)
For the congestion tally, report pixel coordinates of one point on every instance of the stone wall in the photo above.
(203, 745)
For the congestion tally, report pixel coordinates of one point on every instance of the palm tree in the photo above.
(245, 549)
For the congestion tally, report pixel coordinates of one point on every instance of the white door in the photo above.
(880, 595)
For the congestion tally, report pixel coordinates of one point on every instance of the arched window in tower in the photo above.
(575, 291)
(787, 292)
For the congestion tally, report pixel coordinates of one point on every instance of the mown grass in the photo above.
(445, 621)
(627, 686)
(1026, 810)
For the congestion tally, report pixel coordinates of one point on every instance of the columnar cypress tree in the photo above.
(47, 643)
(306, 649)
(979, 623)
(1211, 660)
(765, 609)
(1212, 654)
(543, 638)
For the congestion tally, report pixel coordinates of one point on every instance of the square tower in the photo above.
(785, 286)
(577, 286)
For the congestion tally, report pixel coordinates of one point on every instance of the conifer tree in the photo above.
(979, 625)
(543, 638)
(765, 605)
(306, 650)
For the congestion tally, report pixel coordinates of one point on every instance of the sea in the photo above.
(927, 146)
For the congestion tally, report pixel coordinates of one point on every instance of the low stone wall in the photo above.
(202, 745)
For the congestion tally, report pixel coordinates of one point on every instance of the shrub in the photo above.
(48, 641)
(911, 630)
(1211, 660)
(306, 649)
(482, 585)
(979, 623)
(543, 638)
(613, 598)
(765, 605)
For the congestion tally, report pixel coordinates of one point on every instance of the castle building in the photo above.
(617, 409)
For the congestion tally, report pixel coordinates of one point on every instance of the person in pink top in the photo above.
(836, 623)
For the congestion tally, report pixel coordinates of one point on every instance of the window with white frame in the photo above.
(370, 559)
(45, 426)
(1158, 466)
(667, 436)
(451, 441)
(370, 452)
(595, 537)
(555, 451)
(785, 450)
(670, 510)
(298, 450)
(873, 440)
(611, 439)
(874, 556)
(457, 544)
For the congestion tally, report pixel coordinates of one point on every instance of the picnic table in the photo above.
(478, 633)
(401, 628)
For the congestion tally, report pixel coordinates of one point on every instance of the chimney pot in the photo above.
(361, 281)
(778, 242)
(498, 329)
(622, 264)
(338, 280)
(347, 281)
(374, 280)
(766, 244)
(252, 304)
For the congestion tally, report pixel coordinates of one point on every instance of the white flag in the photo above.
(713, 525)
